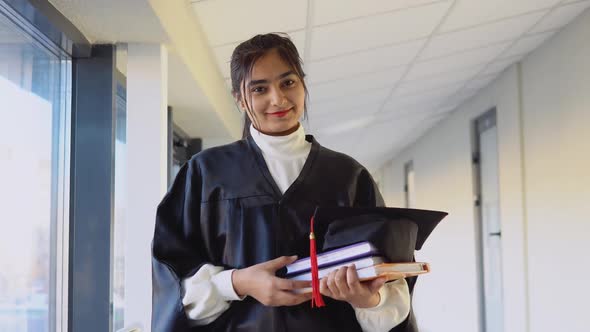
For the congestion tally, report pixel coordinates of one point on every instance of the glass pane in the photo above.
(120, 208)
(32, 93)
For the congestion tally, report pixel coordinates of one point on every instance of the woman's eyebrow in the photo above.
(266, 81)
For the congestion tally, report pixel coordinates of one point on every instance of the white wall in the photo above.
(556, 109)
(544, 155)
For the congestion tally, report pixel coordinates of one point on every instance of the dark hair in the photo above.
(245, 56)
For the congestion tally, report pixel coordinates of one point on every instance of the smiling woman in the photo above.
(237, 214)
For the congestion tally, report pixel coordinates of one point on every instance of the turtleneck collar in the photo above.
(290, 146)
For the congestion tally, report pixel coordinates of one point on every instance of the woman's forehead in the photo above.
(270, 67)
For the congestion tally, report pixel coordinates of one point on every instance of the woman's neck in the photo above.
(281, 133)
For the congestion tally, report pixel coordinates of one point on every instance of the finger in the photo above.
(341, 282)
(353, 279)
(331, 283)
(287, 284)
(376, 284)
(324, 290)
(279, 262)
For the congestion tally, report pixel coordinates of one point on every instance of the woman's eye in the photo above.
(258, 89)
(289, 82)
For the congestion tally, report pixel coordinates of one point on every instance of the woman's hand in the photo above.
(344, 285)
(260, 282)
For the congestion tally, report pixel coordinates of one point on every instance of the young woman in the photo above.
(238, 213)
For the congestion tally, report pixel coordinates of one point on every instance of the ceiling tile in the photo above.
(111, 21)
(458, 99)
(527, 44)
(343, 141)
(381, 137)
(363, 62)
(223, 53)
(481, 82)
(437, 81)
(334, 118)
(376, 31)
(228, 21)
(395, 112)
(419, 102)
(347, 102)
(346, 124)
(326, 12)
(561, 16)
(457, 61)
(471, 13)
(482, 35)
(358, 84)
(499, 65)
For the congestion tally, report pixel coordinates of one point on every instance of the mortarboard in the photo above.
(395, 232)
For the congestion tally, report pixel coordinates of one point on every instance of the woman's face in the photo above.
(275, 94)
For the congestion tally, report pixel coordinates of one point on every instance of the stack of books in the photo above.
(369, 264)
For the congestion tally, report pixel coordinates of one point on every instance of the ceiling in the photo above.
(134, 21)
(382, 72)
(108, 21)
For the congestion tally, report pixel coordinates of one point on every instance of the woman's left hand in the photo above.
(344, 285)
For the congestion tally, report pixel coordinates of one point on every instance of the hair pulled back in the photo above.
(245, 56)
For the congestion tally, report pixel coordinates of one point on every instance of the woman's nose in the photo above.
(278, 98)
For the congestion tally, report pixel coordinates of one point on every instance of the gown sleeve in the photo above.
(393, 308)
(208, 293)
(177, 249)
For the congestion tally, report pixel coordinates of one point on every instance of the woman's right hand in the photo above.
(260, 282)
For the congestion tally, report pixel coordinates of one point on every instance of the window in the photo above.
(35, 90)
(118, 259)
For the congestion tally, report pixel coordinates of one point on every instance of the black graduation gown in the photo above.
(225, 209)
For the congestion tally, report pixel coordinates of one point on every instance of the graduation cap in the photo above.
(395, 232)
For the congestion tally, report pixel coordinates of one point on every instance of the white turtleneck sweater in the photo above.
(208, 293)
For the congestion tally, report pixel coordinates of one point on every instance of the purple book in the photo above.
(332, 257)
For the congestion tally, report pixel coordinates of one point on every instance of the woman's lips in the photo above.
(281, 113)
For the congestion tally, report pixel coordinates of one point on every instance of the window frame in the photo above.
(49, 30)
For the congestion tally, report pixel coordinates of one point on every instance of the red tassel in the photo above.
(316, 296)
